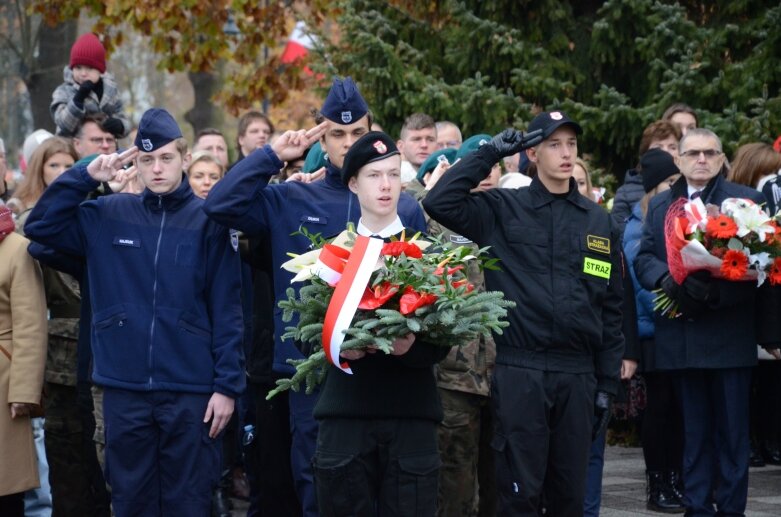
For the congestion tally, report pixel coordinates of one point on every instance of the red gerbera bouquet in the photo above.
(363, 293)
(737, 241)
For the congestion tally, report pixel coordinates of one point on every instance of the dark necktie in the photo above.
(696, 194)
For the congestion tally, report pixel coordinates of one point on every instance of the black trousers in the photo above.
(376, 467)
(542, 439)
(12, 505)
(662, 431)
(272, 492)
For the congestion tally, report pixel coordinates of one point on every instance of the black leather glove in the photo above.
(114, 126)
(696, 292)
(84, 91)
(511, 141)
(670, 286)
(602, 404)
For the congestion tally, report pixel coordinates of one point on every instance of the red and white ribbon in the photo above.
(347, 295)
(695, 213)
(331, 263)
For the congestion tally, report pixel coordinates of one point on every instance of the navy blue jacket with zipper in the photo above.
(164, 284)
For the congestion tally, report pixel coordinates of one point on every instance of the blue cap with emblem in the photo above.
(472, 144)
(156, 129)
(344, 104)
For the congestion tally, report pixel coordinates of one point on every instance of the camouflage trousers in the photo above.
(77, 484)
(99, 437)
(467, 479)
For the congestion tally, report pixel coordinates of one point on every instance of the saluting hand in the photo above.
(107, 167)
(292, 144)
(437, 173)
(307, 177)
(511, 141)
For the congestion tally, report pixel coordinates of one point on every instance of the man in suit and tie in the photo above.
(712, 345)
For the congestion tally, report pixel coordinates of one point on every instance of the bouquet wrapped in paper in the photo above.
(737, 241)
(363, 293)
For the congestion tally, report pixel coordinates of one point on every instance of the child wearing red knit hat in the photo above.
(88, 89)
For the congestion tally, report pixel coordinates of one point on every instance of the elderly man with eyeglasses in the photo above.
(92, 138)
(712, 345)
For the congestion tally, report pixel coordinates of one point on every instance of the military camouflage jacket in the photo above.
(467, 367)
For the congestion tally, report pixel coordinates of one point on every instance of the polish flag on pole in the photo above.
(298, 45)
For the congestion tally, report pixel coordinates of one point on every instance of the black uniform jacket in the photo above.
(561, 264)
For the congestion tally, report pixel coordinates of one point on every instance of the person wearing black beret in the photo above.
(245, 200)
(166, 318)
(377, 441)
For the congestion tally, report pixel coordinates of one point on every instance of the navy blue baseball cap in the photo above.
(371, 147)
(344, 104)
(156, 129)
(550, 121)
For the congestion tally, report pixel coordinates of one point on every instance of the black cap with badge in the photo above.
(550, 121)
(371, 147)
(344, 104)
(156, 129)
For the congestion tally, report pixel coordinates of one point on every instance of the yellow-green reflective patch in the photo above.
(595, 267)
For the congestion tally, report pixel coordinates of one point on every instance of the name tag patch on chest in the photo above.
(459, 239)
(595, 267)
(598, 244)
(127, 241)
(313, 219)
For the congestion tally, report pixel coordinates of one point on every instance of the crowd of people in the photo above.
(140, 332)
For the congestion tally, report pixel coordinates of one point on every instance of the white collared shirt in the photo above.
(392, 229)
(691, 190)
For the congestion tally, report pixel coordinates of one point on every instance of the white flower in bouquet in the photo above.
(749, 217)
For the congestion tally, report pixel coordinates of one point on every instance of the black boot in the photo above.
(660, 498)
(221, 503)
(756, 459)
(771, 453)
(675, 485)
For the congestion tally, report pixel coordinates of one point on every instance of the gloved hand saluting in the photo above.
(84, 91)
(511, 141)
(602, 403)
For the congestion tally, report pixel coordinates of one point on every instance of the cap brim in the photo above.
(553, 127)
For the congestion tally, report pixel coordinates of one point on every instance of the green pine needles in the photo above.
(426, 294)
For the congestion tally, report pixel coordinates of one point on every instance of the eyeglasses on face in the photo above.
(695, 153)
(97, 140)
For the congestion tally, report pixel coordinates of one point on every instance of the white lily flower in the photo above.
(749, 217)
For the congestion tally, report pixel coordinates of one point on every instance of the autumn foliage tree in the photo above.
(189, 35)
